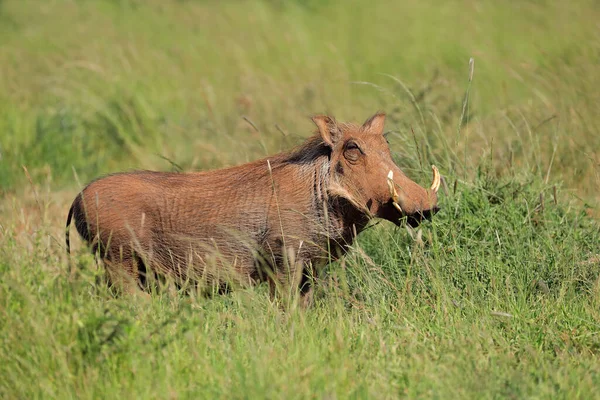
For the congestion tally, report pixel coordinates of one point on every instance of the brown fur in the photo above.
(274, 219)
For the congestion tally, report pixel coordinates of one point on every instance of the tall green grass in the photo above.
(497, 297)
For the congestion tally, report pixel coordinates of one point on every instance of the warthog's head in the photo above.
(362, 171)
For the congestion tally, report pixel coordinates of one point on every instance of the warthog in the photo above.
(277, 219)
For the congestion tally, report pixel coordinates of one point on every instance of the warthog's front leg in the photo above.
(293, 279)
(289, 287)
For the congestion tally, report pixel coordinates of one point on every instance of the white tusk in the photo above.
(435, 185)
(393, 192)
(392, 186)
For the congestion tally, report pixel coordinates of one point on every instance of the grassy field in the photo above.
(498, 297)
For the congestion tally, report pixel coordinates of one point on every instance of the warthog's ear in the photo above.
(375, 124)
(328, 129)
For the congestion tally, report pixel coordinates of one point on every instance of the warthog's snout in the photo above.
(411, 201)
(415, 219)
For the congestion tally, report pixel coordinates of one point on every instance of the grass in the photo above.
(498, 297)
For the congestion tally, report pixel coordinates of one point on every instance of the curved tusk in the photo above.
(392, 186)
(393, 192)
(435, 185)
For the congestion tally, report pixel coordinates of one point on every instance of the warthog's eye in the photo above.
(352, 152)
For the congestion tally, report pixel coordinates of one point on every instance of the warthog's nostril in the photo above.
(427, 214)
(415, 219)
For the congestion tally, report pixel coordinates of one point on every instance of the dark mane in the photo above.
(313, 147)
(306, 153)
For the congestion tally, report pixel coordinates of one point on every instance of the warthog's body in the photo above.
(271, 219)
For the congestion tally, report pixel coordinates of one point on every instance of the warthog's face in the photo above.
(362, 170)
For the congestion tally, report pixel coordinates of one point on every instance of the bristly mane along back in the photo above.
(313, 147)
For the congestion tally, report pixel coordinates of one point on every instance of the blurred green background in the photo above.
(497, 297)
(100, 86)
